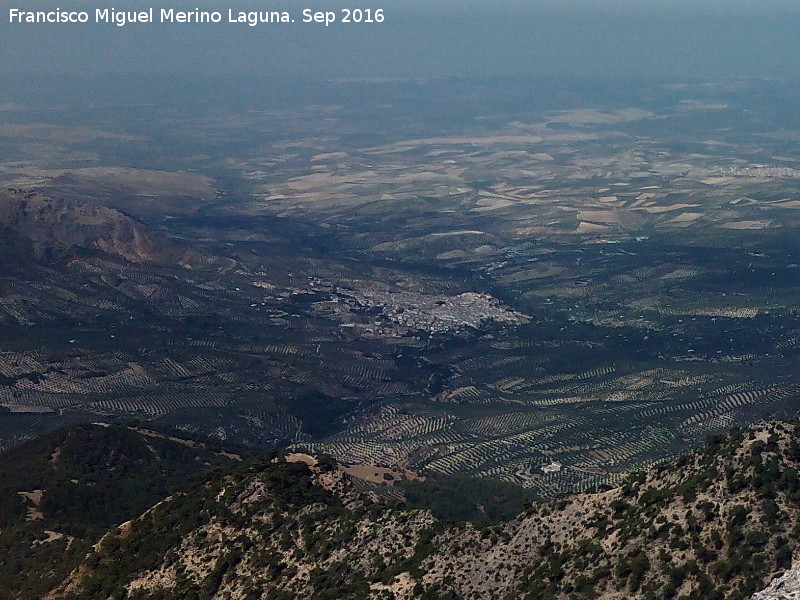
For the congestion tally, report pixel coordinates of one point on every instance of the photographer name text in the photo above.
(229, 16)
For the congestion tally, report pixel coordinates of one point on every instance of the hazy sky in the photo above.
(678, 38)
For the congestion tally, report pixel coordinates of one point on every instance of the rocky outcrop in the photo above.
(785, 587)
(41, 224)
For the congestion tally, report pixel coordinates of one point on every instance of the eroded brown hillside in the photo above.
(46, 223)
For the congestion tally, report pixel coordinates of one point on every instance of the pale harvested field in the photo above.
(687, 217)
(374, 474)
(656, 210)
(598, 216)
(586, 227)
(58, 133)
(745, 225)
(590, 116)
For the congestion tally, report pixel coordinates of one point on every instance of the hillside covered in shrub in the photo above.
(60, 492)
(716, 524)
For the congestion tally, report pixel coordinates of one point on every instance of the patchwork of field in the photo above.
(531, 181)
(244, 392)
(527, 419)
(549, 286)
(214, 353)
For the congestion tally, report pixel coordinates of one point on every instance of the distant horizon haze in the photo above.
(612, 38)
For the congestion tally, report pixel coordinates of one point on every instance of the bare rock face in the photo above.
(44, 223)
(785, 587)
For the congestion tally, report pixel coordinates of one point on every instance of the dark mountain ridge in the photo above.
(60, 492)
(716, 524)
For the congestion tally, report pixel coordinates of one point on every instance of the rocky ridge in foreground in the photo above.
(717, 524)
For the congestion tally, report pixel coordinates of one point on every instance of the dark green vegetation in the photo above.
(59, 493)
(464, 498)
(715, 524)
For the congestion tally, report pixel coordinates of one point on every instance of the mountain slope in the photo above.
(43, 224)
(716, 524)
(60, 492)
